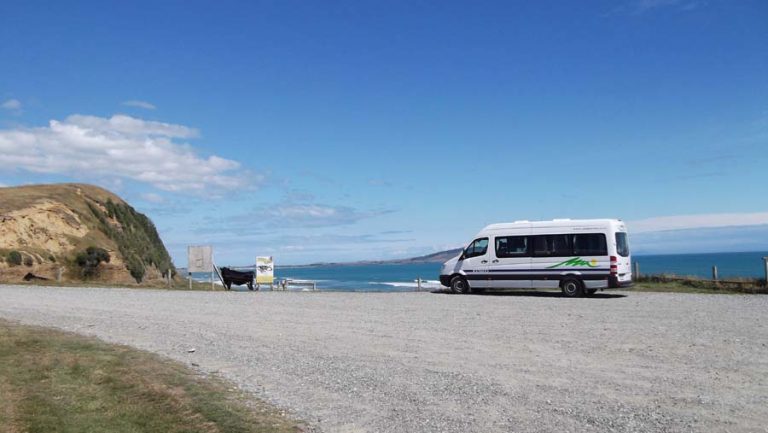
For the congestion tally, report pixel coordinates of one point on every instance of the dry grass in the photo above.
(52, 381)
(674, 283)
(18, 197)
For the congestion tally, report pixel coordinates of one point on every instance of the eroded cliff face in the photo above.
(44, 227)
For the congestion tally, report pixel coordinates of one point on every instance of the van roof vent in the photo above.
(522, 221)
(561, 219)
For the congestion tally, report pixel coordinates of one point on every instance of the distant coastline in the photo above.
(438, 257)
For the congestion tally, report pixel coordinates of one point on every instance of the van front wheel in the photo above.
(572, 288)
(459, 285)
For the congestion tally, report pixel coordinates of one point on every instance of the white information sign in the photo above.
(200, 258)
(265, 270)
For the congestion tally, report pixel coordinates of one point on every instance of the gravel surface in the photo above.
(423, 362)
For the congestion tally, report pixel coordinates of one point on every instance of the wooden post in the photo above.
(58, 275)
(189, 277)
(314, 286)
(714, 273)
(418, 284)
(636, 272)
(765, 262)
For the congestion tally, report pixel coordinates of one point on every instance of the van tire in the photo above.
(459, 285)
(572, 288)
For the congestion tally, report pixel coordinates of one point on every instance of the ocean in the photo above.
(401, 277)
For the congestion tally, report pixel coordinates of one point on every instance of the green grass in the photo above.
(672, 283)
(678, 287)
(51, 381)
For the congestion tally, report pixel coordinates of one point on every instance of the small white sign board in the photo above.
(265, 270)
(200, 258)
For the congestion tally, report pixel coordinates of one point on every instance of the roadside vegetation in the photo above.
(674, 283)
(52, 381)
(176, 284)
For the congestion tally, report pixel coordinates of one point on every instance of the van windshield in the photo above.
(622, 244)
(477, 248)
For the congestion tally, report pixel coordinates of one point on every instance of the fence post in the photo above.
(418, 284)
(58, 275)
(765, 262)
(637, 271)
(314, 286)
(714, 273)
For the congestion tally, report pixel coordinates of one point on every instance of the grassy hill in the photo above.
(77, 231)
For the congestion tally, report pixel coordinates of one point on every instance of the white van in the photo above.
(577, 256)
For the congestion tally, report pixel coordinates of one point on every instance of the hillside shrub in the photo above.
(28, 261)
(136, 238)
(136, 268)
(14, 258)
(89, 260)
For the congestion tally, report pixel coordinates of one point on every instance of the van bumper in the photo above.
(445, 280)
(614, 283)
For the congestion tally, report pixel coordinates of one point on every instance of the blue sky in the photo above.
(330, 131)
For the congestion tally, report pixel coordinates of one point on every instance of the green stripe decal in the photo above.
(576, 261)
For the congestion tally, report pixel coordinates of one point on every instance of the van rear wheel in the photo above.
(572, 288)
(459, 285)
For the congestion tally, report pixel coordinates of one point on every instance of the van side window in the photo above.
(512, 246)
(477, 248)
(591, 244)
(551, 246)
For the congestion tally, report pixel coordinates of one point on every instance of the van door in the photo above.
(475, 263)
(551, 257)
(511, 262)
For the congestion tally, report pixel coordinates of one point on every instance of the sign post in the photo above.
(199, 259)
(265, 271)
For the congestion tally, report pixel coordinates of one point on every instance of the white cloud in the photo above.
(152, 197)
(702, 240)
(679, 222)
(312, 215)
(119, 147)
(139, 104)
(639, 7)
(132, 126)
(11, 104)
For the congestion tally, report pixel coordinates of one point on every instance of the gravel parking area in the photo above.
(423, 362)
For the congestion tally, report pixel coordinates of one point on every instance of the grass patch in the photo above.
(677, 287)
(673, 283)
(52, 381)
